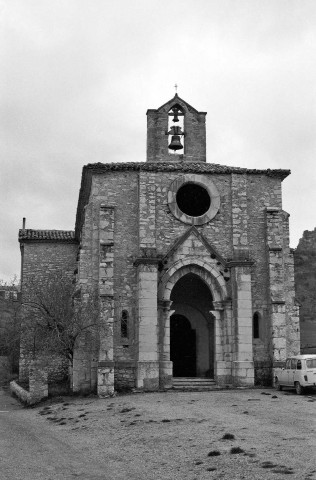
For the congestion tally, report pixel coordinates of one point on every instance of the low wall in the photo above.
(23, 395)
(38, 385)
(57, 367)
(124, 375)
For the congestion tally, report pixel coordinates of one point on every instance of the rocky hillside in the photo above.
(305, 281)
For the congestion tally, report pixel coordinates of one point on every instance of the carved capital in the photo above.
(165, 305)
(218, 306)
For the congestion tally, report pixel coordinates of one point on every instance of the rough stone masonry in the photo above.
(190, 260)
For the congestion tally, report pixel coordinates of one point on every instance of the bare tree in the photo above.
(10, 322)
(56, 316)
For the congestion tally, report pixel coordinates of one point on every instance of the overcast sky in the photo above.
(78, 76)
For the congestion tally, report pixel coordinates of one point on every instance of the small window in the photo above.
(311, 363)
(124, 324)
(288, 364)
(256, 325)
(293, 364)
(299, 365)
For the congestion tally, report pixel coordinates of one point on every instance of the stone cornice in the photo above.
(275, 249)
(146, 261)
(106, 364)
(240, 263)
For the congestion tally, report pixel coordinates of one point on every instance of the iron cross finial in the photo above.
(176, 87)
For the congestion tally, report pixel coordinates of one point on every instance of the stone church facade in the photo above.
(191, 262)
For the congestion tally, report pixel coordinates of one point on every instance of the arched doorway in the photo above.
(182, 346)
(192, 328)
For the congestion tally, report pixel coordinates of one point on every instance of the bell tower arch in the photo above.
(165, 140)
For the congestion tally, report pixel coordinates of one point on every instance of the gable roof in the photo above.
(193, 230)
(63, 236)
(176, 99)
(178, 166)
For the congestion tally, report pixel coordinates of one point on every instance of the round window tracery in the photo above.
(193, 199)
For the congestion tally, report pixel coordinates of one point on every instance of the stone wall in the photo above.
(38, 385)
(124, 376)
(128, 229)
(39, 261)
(237, 231)
(305, 283)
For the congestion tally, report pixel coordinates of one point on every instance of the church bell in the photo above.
(175, 143)
(175, 115)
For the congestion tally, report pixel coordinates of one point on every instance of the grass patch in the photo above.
(268, 465)
(284, 471)
(125, 410)
(213, 453)
(236, 450)
(228, 436)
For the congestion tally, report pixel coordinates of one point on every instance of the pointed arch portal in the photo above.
(192, 328)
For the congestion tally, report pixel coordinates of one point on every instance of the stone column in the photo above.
(274, 231)
(243, 366)
(106, 349)
(165, 365)
(106, 292)
(224, 342)
(88, 252)
(211, 342)
(219, 363)
(148, 359)
(147, 277)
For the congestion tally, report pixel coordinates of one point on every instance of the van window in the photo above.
(311, 363)
(288, 364)
(299, 365)
(293, 363)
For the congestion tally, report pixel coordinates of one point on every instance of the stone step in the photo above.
(181, 380)
(193, 383)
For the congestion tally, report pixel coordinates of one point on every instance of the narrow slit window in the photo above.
(124, 324)
(256, 325)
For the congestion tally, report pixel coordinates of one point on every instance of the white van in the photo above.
(299, 372)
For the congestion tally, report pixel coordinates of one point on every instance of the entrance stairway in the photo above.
(193, 384)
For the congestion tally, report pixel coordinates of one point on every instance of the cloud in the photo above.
(79, 77)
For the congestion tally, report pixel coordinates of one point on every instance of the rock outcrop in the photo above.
(305, 284)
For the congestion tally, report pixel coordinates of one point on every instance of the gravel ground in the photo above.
(179, 435)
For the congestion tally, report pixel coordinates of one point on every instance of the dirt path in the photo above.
(180, 436)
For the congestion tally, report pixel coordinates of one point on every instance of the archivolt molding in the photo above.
(203, 269)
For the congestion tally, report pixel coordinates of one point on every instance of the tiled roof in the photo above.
(67, 236)
(185, 167)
